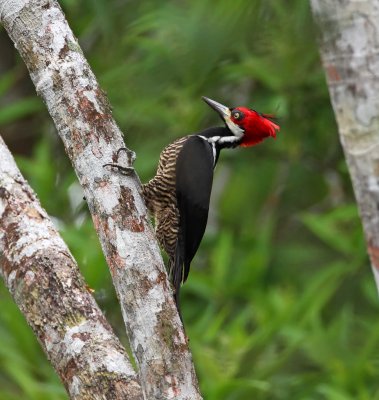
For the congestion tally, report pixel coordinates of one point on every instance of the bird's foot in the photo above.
(130, 155)
(126, 170)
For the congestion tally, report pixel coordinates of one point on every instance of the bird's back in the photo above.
(160, 197)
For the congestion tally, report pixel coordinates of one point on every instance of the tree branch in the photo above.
(350, 53)
(45, 282)
(91, 137)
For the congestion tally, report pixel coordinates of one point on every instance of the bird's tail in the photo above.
(177, 274)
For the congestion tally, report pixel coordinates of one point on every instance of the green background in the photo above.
(280, 302)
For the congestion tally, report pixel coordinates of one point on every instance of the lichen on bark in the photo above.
(45, 282)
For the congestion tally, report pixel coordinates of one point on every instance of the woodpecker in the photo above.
(178, 195)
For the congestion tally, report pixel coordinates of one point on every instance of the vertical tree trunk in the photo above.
(349, 32)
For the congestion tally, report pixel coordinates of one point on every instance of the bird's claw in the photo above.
(126, 170)
(130, 155)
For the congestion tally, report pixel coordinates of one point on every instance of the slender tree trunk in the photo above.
(45, 282)
(91, 137)
(349, 32)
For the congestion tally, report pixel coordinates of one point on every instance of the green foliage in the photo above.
(280, 303)
(19, 109)
(25, 372)
(12, 111)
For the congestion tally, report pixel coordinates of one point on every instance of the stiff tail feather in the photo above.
(177, 275)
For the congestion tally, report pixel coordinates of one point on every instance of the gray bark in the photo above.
(83, 118)
(349, 42)
(45, 282)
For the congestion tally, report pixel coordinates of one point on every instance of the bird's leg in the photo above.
(127, 170)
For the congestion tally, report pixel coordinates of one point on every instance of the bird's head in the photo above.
(250, 126)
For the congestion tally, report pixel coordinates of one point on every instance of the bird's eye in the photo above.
(237, 115)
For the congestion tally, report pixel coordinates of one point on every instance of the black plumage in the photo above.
(179, 194)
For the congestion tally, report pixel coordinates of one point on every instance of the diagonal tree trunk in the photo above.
(91, 137)
(46, 284)
(349, 33)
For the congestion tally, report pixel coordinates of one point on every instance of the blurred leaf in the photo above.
(330, 227)
(19, 109)
(6, 81)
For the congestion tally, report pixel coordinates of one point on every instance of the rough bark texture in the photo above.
(349, 31)
(84, 121)
(45, 282)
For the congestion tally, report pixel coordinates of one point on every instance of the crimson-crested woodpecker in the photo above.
(178, 196)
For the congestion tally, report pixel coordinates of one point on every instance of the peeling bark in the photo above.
(349, 32)
(45, 282)
(83, 118)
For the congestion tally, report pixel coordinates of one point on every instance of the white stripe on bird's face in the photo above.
(226, 114)
(234, 128)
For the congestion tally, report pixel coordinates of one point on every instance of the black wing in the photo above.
(194, 176)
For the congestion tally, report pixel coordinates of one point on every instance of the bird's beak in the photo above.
(223, 111)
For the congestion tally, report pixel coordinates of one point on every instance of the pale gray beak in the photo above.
(220, 108)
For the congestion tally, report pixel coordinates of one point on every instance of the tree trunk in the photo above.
(45, 282)
(349, 32)
(91, 137)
